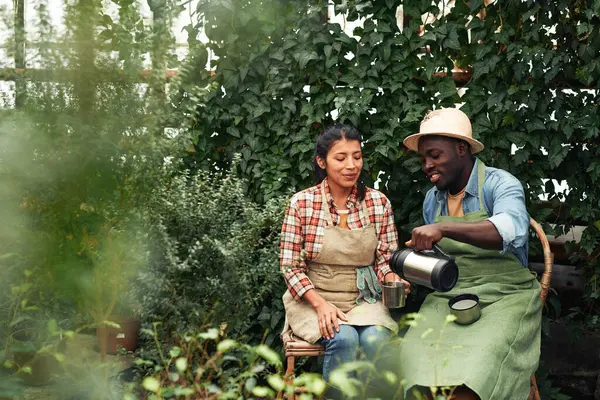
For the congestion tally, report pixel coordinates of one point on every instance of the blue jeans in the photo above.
(345, 344)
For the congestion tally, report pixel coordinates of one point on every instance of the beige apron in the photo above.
(333, 274)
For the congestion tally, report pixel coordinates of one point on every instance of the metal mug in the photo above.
(466, 308)
(394, 294)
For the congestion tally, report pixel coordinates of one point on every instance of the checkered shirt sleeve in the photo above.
(388, 239)
(292, 256)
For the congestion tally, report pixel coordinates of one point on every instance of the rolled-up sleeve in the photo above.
(509, 214)
(291, 259)
(388, 242)
(429, 207)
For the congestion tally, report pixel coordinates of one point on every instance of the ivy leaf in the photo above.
(529, 13)
(482, 50)
(475, 5)
(451, 41)
(363, 5)
(480, 68)
(331, 61)
(446, 88)
(582, 28)
(304, 56)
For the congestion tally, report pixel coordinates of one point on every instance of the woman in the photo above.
(337, 238)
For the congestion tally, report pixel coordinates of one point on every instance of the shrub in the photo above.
(214, 257)
(208, 365)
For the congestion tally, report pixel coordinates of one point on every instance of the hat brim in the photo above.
(412, 141)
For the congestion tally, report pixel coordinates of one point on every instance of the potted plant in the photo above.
(116, 258)
(122, 328)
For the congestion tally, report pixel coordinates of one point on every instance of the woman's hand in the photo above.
(327, 314)
(393, 277)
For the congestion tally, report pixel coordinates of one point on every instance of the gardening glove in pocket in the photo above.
(368, 286)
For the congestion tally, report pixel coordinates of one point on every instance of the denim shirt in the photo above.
(504, 202)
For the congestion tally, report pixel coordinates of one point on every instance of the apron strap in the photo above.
(480, 180)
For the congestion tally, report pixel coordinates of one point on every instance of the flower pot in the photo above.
(126, 336)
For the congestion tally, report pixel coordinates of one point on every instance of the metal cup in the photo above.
(394, 295)
(466, 308)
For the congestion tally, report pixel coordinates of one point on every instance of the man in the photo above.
(477, 214)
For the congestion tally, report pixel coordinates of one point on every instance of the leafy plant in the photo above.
(213, 258)
(208, 365)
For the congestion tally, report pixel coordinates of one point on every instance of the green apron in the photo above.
(495, 356)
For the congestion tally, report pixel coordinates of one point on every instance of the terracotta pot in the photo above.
(126, 336)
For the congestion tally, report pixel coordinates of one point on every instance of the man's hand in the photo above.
(424, 237)
(392, 277)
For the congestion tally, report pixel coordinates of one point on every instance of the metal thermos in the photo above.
(436, 271)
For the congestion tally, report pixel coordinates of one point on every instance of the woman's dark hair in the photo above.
(324, 143)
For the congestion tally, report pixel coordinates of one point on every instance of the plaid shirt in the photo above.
(303, 231)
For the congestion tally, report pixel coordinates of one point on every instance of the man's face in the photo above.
(440, 160)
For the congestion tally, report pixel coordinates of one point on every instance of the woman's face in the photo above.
(343, 163)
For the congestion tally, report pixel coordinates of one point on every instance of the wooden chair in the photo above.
(534, 393)
(296, 347)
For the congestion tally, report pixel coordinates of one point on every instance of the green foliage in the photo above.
(79, 156)
(207, 365)
(214, 258)
(282, 70)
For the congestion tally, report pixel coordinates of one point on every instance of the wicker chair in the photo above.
(296, 347)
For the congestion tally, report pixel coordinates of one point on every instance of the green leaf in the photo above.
(181, 364)
(304, 56)
(226, 345)
(276, 382)
(362, 6)
(268, 354)
(482, 50)
(480, 68)
(212, 333)
(451, 41)
(447, 88)
(151, 384)
(175, 352)
(331, 61)
(475, 5)
(582, 28)
(262, 391)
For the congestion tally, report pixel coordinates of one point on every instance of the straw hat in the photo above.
(450, 122)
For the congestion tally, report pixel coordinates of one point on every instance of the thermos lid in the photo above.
(444, 275)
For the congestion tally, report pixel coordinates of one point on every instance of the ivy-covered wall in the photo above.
(281, 69)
